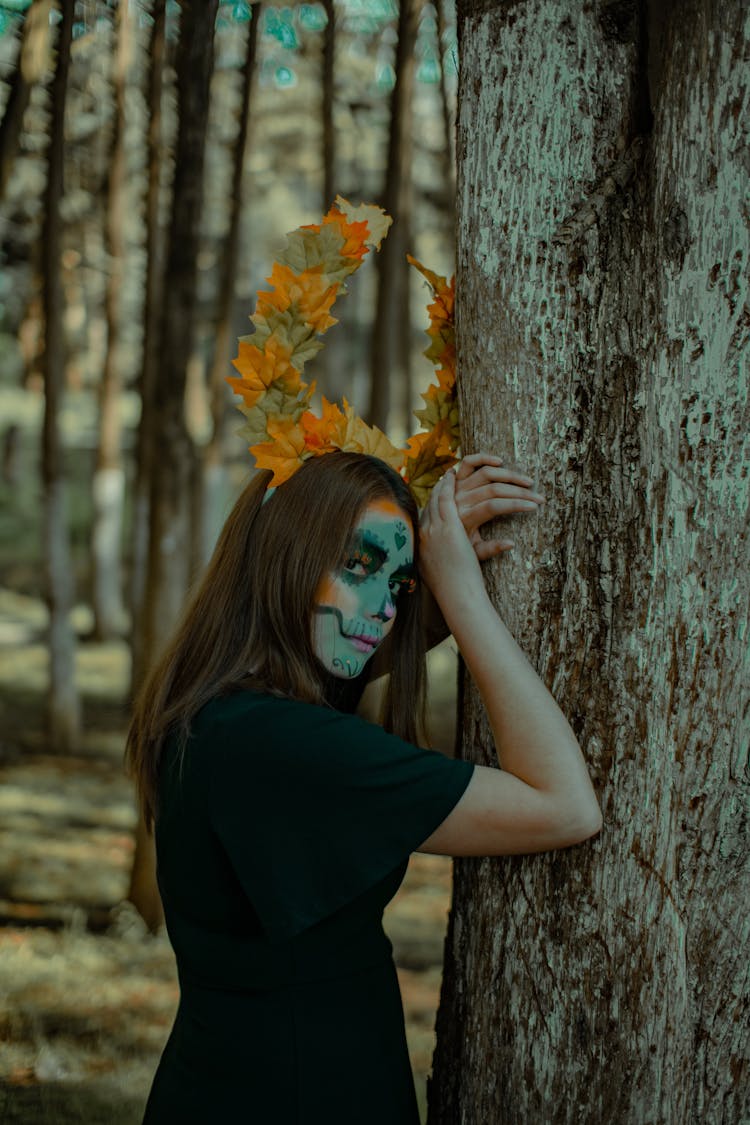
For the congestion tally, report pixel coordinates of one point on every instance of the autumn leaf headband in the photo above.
(281, 430)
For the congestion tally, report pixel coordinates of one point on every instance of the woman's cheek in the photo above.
(332, 591)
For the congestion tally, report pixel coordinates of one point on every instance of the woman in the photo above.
(284, 822)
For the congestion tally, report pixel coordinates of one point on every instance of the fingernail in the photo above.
(527, 505)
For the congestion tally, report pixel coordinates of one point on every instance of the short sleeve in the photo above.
(313, 807)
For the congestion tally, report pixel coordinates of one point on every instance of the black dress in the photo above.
(280, 838)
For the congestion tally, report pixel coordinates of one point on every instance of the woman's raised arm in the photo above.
(542, 797)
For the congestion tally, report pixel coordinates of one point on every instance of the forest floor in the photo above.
(87, 996)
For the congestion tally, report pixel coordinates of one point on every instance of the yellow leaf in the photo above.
(284, 453)
(259, 369)
(308, 292)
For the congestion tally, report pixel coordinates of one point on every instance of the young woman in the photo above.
(284, 822)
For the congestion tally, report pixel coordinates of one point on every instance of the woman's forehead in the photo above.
(388, 518)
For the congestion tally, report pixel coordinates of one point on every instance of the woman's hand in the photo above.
(448, 561)
(486, 490)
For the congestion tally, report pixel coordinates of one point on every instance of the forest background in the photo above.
(126, 214)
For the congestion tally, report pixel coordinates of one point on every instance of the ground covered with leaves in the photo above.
(87, 996)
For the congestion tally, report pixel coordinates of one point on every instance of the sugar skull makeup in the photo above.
(356, 604)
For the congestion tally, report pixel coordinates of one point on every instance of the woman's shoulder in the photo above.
(235, 706)
(244, 711)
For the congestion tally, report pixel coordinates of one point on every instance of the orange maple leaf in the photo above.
(284, 452)
(324, 433)
(354, 234)
(307, 291)
(260, 369)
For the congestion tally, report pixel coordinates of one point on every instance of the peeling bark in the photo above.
(603, 327)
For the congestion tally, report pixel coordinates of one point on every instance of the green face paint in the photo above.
(356, 605)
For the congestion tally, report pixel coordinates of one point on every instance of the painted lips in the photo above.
(363, 644)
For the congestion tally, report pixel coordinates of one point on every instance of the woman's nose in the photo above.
(387, 609)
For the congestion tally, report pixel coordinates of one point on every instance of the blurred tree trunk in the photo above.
(33, 60)
(212, 484)
(147, 436)
(108, 486)
(170, 486)
(449, 156)
(603, 341)
(389, 357)
(63, 702)
(328, 87)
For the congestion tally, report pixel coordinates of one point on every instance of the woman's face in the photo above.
(355, 606)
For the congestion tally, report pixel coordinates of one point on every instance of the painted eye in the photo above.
(359, 565)
(402, 585)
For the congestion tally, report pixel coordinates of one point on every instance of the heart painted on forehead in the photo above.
(400, 540)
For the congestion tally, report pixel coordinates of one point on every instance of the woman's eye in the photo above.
(358, 565)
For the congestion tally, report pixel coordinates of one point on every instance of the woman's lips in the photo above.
(363, 644)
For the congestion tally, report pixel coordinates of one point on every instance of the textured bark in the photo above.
(108, 485)
(63, 702)
(603, 327)
(170, 486)
(389, 358)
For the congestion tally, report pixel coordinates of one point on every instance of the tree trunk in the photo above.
(212, 486)
(108, 485)
(387, 353)
(33, 60)
(147, 436)
(329, 134)
(63, 702)
(603, 333)
(170, 486)
(449, 156)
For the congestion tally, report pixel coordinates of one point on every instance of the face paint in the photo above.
(356, 605)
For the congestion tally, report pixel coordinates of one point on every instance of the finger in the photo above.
(473, 460)
(497, 490)
(489, 474)
(446, 501)
(492, 509)
(489, 548)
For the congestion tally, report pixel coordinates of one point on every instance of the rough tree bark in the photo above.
(603, 327)
(63, 701)
(108, 484)
(169, 495)
(389, 358)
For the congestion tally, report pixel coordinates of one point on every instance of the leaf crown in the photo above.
(281, 429)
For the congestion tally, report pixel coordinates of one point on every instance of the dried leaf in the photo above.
(284, 452)
(375, 217)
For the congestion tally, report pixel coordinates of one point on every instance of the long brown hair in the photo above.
(249, 622)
